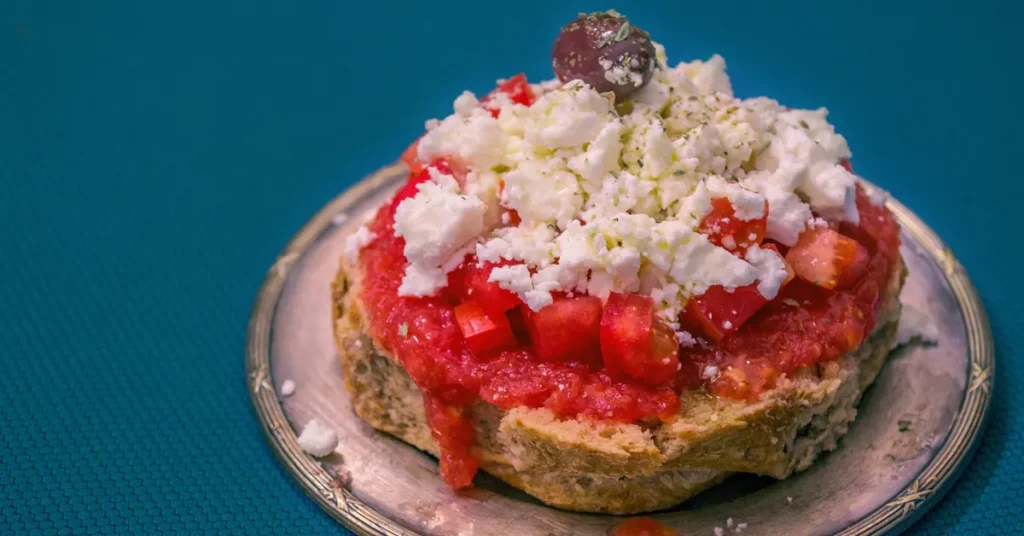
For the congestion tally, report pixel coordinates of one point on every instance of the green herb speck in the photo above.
(623, 32)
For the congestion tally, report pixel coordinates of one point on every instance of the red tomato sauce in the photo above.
(642, 526)
(425, 336)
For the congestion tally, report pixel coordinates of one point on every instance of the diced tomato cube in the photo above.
(827, 259)
(719, 312)
(877, 230)
(484, 332)
(566, 330)
(471, 282)
(518, 323)
(849, 276)
(634, 343)
(516, 88)
(724, 229)
(411, 158)
(745, 379)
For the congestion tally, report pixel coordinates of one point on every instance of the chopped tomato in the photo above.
(635, 344)
(845, 162)
(411, 158)
(566, 330)
(827, 258)
(513, 218)
(518, 323)
(719, 312)
(877, 229)
(483, 332)
(642, 526)
(471, 281)
(745, 379)
(517, 90)
(724, 229)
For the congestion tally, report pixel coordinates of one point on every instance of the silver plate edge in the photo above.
(895, 516)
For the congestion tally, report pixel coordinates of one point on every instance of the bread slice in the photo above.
(616, 468)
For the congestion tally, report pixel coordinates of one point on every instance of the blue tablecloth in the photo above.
(155, 157)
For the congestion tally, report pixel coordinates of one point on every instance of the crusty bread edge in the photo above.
(623, 468)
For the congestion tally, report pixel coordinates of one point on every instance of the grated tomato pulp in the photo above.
(804, 325)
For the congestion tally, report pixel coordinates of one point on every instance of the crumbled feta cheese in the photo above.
(621, 75)
(287, 388)
(317, 439)
(515, 278)
(719, 531)
(609, 201)
(601, 157)
(749, 205)
(708, 76)
(476, 139)
(533, 244)
(818, 128)
(771, 270)
(567, 117)
(465, 104)
(436, 223)
(710, 372)
(685, 339)
(541, 196)
(356, 241)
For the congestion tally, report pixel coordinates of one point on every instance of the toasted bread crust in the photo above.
(624, 468)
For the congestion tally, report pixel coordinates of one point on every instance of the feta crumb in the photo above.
(287, 388)
(356, 241)
(727, 324)
(789, 499)
(685, 339)
(317, 439)
(465, 103)
(915, 324)
(728, 523)
(771, 270)
(436, 223)
(610, 200)
(740, 527)
(719, 531)
(710, 372)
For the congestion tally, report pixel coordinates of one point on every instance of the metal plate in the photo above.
(879, 480)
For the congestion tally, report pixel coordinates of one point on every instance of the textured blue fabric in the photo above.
(155, 157)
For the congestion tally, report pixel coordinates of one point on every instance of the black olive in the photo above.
(605, 51)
